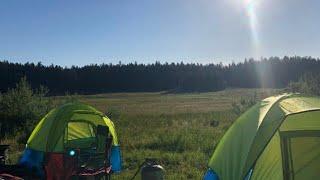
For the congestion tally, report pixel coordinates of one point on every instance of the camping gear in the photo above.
(3, 154)
(73, 140)
(278, 138)
(150, 169)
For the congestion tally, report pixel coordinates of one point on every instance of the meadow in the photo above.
(176, 129)
(179, 130)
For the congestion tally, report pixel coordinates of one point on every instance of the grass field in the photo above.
(176, 129)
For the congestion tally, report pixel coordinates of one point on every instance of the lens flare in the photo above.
(250, 6)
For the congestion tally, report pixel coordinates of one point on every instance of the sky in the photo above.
(80, 32)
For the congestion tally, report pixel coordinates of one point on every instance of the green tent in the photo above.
(69, 130)
(278, 138)
(73, 123)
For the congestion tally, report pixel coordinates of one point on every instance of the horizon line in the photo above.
(226, 63)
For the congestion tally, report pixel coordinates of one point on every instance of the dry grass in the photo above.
(162, 103)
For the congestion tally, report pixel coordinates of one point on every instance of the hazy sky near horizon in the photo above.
(79, 32)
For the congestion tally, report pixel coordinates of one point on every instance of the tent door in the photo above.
(80, 134)
(300, 154)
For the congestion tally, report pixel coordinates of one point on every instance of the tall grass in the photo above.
(179, 130)
(182, 143)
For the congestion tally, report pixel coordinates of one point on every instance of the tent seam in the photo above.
(283, 119)
(271, 107)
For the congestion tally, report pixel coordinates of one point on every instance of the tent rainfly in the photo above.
(71, 126)
(278, 138)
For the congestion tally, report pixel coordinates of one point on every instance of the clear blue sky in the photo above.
(79, 32)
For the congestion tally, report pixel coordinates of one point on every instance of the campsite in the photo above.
(159, 90)
(165, 127)
(179, 130)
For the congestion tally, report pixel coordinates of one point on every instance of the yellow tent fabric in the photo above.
(265, 139)
(68, 122)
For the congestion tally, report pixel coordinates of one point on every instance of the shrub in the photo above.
(21, 108)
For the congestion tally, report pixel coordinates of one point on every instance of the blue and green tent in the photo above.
(70, 126)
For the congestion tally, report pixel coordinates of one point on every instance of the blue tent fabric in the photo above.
(210, 175)
(115, 159)
(33, 160)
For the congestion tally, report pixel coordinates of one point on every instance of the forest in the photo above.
(272, 72)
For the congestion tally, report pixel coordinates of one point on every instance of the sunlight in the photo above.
(250, 6)
(263, 72)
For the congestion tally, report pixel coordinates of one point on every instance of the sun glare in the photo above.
(250, 6)
(263, 73)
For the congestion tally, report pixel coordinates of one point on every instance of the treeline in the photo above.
(273, 72)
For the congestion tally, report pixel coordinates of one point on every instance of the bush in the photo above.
(21, 108)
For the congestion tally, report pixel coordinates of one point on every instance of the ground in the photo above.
(179, 130)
